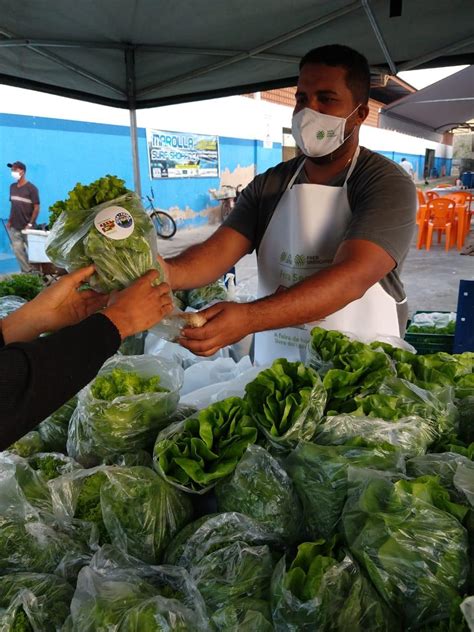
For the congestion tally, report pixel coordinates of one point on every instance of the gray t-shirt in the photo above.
(381, 195)
(22, 201)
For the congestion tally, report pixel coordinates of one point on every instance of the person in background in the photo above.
(406, 164)
(24, 209)
(40, 374)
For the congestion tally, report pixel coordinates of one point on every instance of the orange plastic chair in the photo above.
(422, 221)
(441, 219)
(431, 195)
(421, 197)
(463, 201)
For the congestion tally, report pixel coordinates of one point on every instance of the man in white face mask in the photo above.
(331, 228)
(24, 209)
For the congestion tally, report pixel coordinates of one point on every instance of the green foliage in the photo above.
(53, 430)
(319, 474)
(29, 444)
(198, 452)
(260, 488)
(324, 590)
(39, 601)
(142, 512)
(450, 328)
(26, 286)
(88, 505)
(85, 197)
(413, 550)
(120, 383)
(228, 556)
(286, 400)
(74, 241)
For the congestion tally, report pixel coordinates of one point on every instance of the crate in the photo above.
(430, 343)
(36, 245)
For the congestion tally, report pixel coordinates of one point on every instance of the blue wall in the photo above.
(60, 153)
(418, 162)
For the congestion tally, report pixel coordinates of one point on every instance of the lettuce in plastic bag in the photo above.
(124, 419)
(325, 590)
(118, 592)
(196, 453)
(414, 552)
(260, 488)
(228, 556)
(287, 401)
(36, 601)
(319, 474)
(121, 243)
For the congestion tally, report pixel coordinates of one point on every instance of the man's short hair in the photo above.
(356, 66)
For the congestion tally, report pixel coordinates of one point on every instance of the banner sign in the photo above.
(182, 155)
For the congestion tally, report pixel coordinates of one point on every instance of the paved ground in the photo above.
(431, 278)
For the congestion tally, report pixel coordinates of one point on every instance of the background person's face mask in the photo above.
(318, 134)
(16, 175)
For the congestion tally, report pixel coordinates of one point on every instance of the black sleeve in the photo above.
(36, 378)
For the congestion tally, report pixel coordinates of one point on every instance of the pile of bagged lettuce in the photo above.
(336, 496)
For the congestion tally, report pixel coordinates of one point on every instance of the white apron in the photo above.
(304, 233)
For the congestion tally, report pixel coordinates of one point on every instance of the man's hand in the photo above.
(139, 306)
(57, 306)
(226, 323)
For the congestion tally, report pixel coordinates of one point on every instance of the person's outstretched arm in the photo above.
(37, 377)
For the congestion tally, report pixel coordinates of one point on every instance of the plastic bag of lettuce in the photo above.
(130, 507)
(33, 601)
(104, 224)
(120, 593)
(124, 408)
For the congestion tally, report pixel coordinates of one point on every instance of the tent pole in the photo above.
(135, 157)
(131, 93)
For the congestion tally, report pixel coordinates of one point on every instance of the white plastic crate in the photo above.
(36, 245)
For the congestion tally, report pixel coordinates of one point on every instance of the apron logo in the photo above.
(320, 135)
(331, 133)
(300, 261)
(283, 256)
(289, 260)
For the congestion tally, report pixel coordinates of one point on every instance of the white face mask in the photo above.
(16, 175)
(318, 134)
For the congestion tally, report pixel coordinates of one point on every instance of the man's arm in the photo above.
(34, 216)
(357, 266)
(207, 261)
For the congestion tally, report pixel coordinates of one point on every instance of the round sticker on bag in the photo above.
(114, 222)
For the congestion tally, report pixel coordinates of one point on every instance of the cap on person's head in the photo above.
(17, 165)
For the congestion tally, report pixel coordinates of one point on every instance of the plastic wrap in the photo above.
(228, 556)
(260, 488)
(100, 429)
(207, 295)
(133, 345)
(287, 401)
(29, 444)
(141, 512)
(130, 507)
(50, 465)
(442, 465)
(412, 435)
(195, 454)
(117, 237)
(319, 474)
(202, 374)
(463, 481)
(9, 304)
(467, 608)
(414, 553)
(244, 615)
(320, 591)
(121, 594)
(53, 430)
(39, 599)
(23, 491)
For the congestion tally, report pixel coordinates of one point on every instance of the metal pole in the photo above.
(131, 94)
